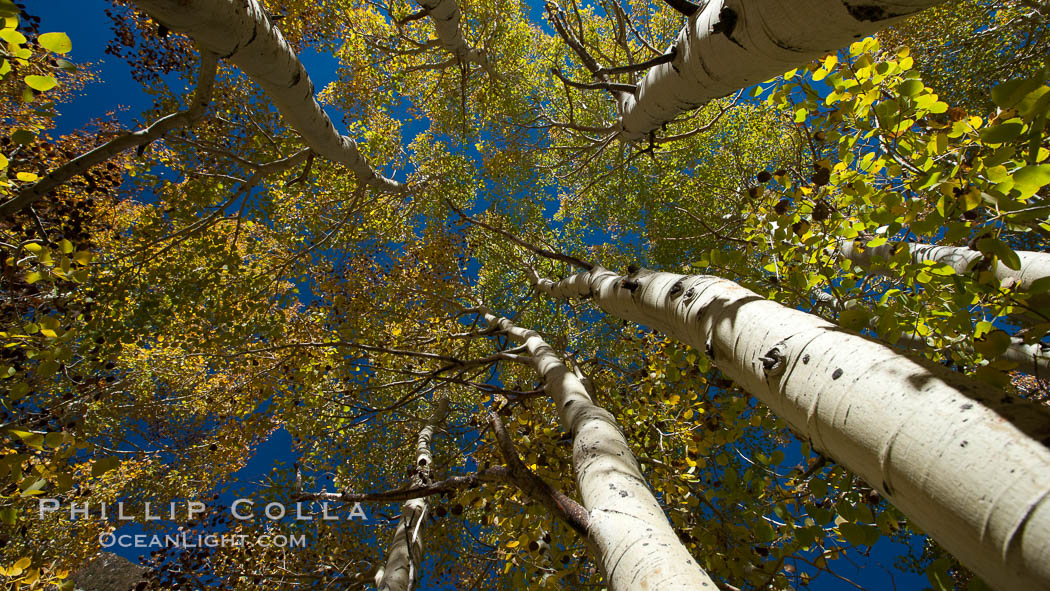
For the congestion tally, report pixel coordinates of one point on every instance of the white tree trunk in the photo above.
(241, 31)
(1034, 265)
(732, 44)
(968, 465)
(446, 18)
(637, 547)
(405, 555)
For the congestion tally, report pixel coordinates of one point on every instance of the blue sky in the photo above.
(90, 30)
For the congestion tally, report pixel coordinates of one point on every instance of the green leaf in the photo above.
(1034, 176)
(8, 8)
(992, 345)
(103, 465)
(854, 318)
(818, 486)
(23, 137)
(54, 440)
(41, 83)
(1000, 134)
(1010, 93)
(1001, 250)
(1040, 285)
(56, 42)
(911, 87)
(66, 65)
(938, 575)
(764, 532)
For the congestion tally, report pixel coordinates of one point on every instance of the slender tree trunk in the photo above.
(636, 546)
(1034, 265)
(968, 465)
(446, 18)
(406, 548)
(241, 31)
(732, 44)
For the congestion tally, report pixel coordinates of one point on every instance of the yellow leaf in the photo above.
(40, 83)
(26, 176)
(513, 544)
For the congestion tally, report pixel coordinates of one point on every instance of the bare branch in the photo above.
(542, 252)
(610, 86)
(656, 61)
(451, 484)
(563, 507)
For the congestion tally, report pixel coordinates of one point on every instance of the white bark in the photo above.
(732, 44)
(1034, 265)
(241, 31)
(405, 555)
(446, 18)
(968, 465)
(637, 547)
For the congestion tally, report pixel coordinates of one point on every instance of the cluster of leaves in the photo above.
(893, 163)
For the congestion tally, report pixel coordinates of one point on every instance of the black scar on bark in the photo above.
(868, 12)
(255, 33)
(727, 18)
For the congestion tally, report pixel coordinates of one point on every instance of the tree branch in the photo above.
(656, 61)
(535, 249)
(563, 507)
(451, 484)
(610, 86)
(142, 137)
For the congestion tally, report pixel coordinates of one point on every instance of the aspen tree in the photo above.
(636, 547)
(732, 44)
(241, 31)
(968, 465)
(406, 548)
